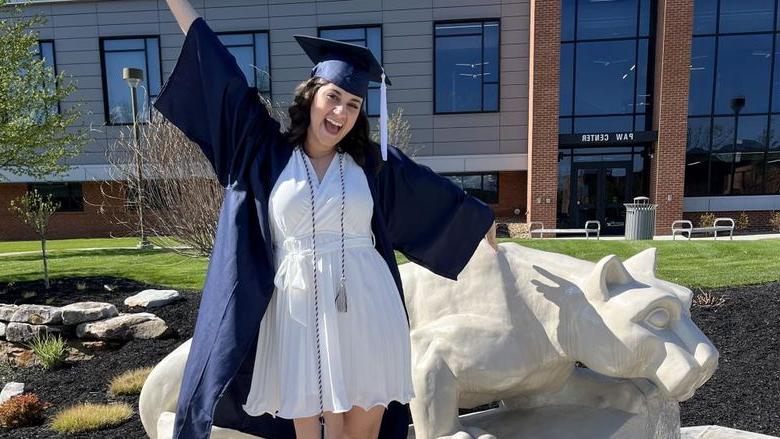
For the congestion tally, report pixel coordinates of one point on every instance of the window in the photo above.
(606, 59)
(735, 53)
(118, 53)
(482, 186)
(366, 36)
(466, 67)
(46, 52)
(69, 195)
(252, 54)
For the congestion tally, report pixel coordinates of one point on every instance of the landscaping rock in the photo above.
(124, 327)
(6, 311)
(2, 329)
(153, 298)
(37, 315)
(81, 312)
(98, 345)
(24, 332)
(10, 390)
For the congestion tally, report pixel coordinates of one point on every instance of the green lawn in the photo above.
(64, 244)
(703, 264)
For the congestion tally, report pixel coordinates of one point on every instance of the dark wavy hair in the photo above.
(354, 143)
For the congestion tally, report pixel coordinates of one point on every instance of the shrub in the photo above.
(88, 417)
(130, 382)
(22, 411)
(743, 222)
(706, 220)
(774, 221)
(50, 350)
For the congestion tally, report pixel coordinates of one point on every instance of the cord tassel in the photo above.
(383, 116)
(322, 427)
(341, 297)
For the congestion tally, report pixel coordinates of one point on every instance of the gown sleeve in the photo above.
(432, 221)
(208, 98)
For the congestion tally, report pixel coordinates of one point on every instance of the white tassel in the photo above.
(383, 116)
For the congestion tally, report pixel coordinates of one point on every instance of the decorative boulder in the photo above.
(153, 298)
(10, 390)
(2, 329)
(124, 327)
(37, 315)
(81, 312)
(6, 311)
(24, 332)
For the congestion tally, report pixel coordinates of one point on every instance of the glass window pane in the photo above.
(445, 29)
(68, 195)
(773, 173)
(458, 70)
(263, 66)
(774, 133)
(640, 123)
(607, 124)
(564, 125)
(704, 13)
(698, 139)
(374, 41)
(236, 39)
(748, 173)
(642, 92)
(245, 56)
(723, 134)
(124, 44)
(566, 99)
(605, 78)
(702, 73)
(751, 133)
(490, 97)
(743, 70)
(776, 80)
(720, 167)
(153, 66)
(348, 34)
(490, 66)
(118, 92)
(696, 174)
(617, 18)
(644, 18)
(746, 15)
(567, 20)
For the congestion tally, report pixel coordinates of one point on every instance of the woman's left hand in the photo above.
(491, 237)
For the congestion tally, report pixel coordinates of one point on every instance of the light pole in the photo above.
(133, 77)
(736, 105)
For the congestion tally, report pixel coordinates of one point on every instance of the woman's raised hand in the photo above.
(184, 13)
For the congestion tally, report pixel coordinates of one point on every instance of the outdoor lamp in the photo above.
(133, 77)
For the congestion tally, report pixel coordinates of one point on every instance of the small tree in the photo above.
(35, 211)
(774, 221)
(706, 219)
(34, 135)
(743, 222)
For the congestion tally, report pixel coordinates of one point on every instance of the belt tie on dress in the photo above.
(290, 277)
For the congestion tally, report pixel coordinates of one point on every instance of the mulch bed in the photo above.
(742, 394)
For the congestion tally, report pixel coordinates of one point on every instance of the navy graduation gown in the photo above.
(416, 211)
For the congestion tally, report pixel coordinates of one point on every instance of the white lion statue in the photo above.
(512, 329)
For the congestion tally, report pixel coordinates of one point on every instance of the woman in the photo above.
(302, 318)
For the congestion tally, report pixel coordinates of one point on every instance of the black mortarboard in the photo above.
(350, 67)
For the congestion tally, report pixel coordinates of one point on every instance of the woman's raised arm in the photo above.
(184, 13)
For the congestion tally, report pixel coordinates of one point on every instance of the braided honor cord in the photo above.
(341, 298)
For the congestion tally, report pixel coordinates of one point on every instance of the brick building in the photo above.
(553, 111)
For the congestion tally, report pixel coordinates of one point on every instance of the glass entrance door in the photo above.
(599, 191)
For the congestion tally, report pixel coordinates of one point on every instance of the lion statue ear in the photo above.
(643, 262)
(608, 274)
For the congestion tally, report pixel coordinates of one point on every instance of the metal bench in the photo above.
(587, 230)
(726, 225)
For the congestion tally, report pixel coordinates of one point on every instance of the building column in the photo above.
(543, 95)
(670, 110)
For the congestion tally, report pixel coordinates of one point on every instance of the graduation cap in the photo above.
(350, 67)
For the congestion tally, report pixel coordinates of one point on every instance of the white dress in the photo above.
(365, 352)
